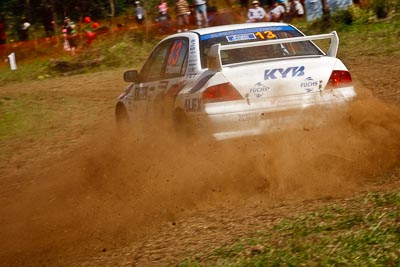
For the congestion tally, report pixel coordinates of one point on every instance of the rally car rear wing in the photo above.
(214, 55)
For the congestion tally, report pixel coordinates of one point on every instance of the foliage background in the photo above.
(127, 46)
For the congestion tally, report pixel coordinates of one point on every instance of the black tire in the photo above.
(182, 125)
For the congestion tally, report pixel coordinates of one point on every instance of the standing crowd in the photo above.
(279, 12)
(183, 11)
(71, 37)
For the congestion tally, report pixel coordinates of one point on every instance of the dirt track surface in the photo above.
(84, 197)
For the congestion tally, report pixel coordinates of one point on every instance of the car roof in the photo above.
(230, 27)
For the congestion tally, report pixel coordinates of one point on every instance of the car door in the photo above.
(163, 71)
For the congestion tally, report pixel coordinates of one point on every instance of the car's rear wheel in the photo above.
(182, 124)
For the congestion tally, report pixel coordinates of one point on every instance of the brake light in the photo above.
(220, 93)
(339, 78)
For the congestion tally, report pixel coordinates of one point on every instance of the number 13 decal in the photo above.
(266, 34)
(174, 53)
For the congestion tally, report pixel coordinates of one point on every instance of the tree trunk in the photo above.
(28, 9)
(55, 25)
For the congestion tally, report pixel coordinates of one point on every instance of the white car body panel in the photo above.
(270, 88)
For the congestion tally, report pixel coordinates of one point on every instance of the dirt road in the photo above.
(84, 197)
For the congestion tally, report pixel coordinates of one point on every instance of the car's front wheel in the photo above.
(122, 118)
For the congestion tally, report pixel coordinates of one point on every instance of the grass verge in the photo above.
(364, 231)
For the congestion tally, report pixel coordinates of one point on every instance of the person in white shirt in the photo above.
(296, 9)
(276, 13)
(139, 12)
(200, 7)
(256, 13)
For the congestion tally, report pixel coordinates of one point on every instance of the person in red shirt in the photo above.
(90, 30)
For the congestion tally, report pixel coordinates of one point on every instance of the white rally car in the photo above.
(235, 80)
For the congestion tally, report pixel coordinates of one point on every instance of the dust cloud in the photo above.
(137, 181)
(114, 187)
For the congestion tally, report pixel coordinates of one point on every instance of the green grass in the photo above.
(364, 231)
(377, 39)
(365, 36)
(112, 50)
(36, 70)
(21, 114)
(34, 116)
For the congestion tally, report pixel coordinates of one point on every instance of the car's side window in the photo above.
(177, 59)
(168, 61)
(153, 69)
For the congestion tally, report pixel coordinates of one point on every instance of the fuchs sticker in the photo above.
(309, 84)
(291, 72)
(258, 90)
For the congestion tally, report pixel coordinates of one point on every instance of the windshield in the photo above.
(260, 52)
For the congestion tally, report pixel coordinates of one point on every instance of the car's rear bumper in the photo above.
(224, 121)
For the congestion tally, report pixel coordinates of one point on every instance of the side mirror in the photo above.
(131, 76)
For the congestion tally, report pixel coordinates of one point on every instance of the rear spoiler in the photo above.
(214, 62)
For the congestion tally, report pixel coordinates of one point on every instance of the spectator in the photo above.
(296, 9)
(90, 30)
(282, 3)
(70, 36)
(201, 12)
(139, 13)
(24, 30)
(276, 13)
(49, 28)
(48, 24)
(182, 12)
(256, 13)
(162, 11)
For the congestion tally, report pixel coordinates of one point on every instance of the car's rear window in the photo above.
(260, 52)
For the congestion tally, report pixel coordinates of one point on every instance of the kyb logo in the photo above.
(309, 84)
(284, 73)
